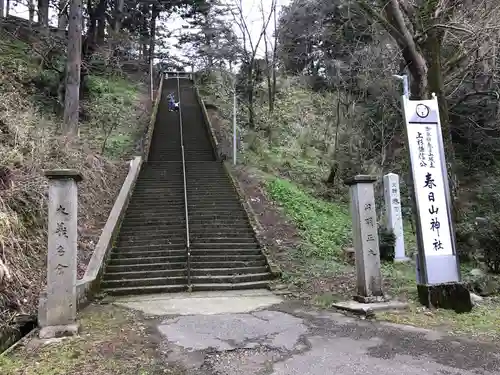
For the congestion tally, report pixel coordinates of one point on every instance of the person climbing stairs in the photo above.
(185, 227)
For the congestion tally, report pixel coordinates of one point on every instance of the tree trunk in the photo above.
(152, 32)
(436, 85)
(250, 82)
(145, 32)
(62, 19)
(2, 6)
(43, 13)
(74, 62)
(117, 22)
(31, 11)
(100, 16)
(269, 71)
(7, 8)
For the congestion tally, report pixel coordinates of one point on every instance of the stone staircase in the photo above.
(151, 254)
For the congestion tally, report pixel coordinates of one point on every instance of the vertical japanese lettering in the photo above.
(60, 250)
(61, 230)
(429, 181)
(60, 268)
(421, 149)
(62, 210)
(430, 152)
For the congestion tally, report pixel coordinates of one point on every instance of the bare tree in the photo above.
(31, 10)
(73, 67)
(250, 49)
(62, 16)
(117, 21)
(270, 56)
(43, 13)
(442, 43)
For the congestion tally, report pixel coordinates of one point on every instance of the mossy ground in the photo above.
(113, 115)
(112, 341)
(314, 268)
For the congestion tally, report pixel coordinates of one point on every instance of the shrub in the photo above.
(488, 237)
(387, 241)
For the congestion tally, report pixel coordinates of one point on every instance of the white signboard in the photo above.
(425, 143)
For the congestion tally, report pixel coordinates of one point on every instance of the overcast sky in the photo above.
(251, 10)
(253, 18)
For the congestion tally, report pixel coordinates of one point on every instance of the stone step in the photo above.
(146, 267)
(171, 240)
(224, 252)
(163, 221)
(178, 228)
(219, 221)
(170, 185)
(230, 198)
(130, 261)
(180, 272)
(224, 245)
(153, 209)
(213, 240)
(228, 271)
(229, 286)
(221, 232)
(165, 199)
(146, 253)
(230, 279)
(136, 290)
(214, 214)
(217, 207)
(226, 258)
(205, 185)
(161, 201)
(165, 230)
(150, 281)
(151, 247)
(154, 215)
(228, 264)
(227, 232)
(153, 191)
(145, 241)
(173, 228)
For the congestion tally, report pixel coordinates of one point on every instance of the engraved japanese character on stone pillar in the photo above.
(365, 239)
(393, 214)
(59, 316)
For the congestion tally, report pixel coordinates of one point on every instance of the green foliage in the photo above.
(112, 108)
(117, 144)
(325, 226)
(112, 88)
(481, 282)
(387, 241)
(403, 279)
(488, 237)
(15, 58)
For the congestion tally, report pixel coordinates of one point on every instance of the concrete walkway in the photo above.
(255, 332)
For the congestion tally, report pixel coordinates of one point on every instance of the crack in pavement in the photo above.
(289, 339)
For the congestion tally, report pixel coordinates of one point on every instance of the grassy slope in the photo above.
(30, 144)
(113, 341)
(294, 161)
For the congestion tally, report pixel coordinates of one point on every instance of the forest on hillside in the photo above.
(315, 89)
(321, 102)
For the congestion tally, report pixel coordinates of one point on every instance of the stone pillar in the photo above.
(393, 215)
(365, 239)
(60, 304)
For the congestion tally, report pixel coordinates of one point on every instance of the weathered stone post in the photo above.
(365, 239)
(60, 304)
(393, 215)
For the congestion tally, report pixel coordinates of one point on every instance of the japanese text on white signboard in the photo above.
(428, 178)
